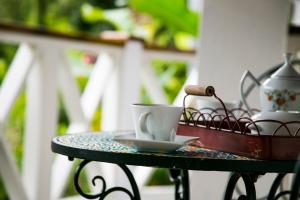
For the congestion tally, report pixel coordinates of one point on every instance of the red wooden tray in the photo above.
(259, 147)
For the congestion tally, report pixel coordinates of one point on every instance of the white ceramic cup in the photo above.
(268, 128)
(156, 121)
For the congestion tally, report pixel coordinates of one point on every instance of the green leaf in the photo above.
(173, 13)
(91, 13)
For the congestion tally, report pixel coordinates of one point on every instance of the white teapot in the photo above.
(279, 92)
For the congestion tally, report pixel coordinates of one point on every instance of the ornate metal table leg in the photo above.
(293, 193)
(181, 178)
(296, 183)
(249, 180)
(234, 177)
(134, 195)
(275, 186)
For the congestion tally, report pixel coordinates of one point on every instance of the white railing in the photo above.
(40, 66)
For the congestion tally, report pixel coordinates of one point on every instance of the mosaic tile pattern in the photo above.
(104, 141)
(93, 141)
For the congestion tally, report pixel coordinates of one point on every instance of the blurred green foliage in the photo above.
(74, 16)
(171, 76)
(159, 177)
(166, 23)
(170, 21)
(174, 14)
(3, 195)
(15, 127)
(18, 10)
(7, 52)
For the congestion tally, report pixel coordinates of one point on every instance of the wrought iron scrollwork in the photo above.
(134, 195)
(249, 180)
(294, 192)
(296, 183)
(181, 180)
(275, 186)
(275, 192)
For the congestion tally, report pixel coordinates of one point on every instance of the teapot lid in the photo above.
(286, 70)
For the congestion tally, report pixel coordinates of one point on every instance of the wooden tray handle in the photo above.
(199, 90)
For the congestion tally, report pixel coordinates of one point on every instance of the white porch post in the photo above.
(123, 90)
(236, 35)
(80, 109)
(41, 119)
(129, 73)
(71, 97)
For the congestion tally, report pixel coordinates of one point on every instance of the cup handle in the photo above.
(143, 124)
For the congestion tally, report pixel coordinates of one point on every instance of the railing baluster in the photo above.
(14, 79)
(80, 110)
(9, 172)
(41, 120)
(10, 89)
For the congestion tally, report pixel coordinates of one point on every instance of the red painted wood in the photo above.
(259, 147)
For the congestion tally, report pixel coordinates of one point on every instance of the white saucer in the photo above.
(152, 146)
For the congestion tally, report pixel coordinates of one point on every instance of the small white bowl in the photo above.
(269, 127)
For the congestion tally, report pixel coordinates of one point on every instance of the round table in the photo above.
(102, 147)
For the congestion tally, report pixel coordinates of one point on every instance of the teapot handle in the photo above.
(246, 74)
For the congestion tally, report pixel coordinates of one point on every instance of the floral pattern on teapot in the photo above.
(281, 99)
